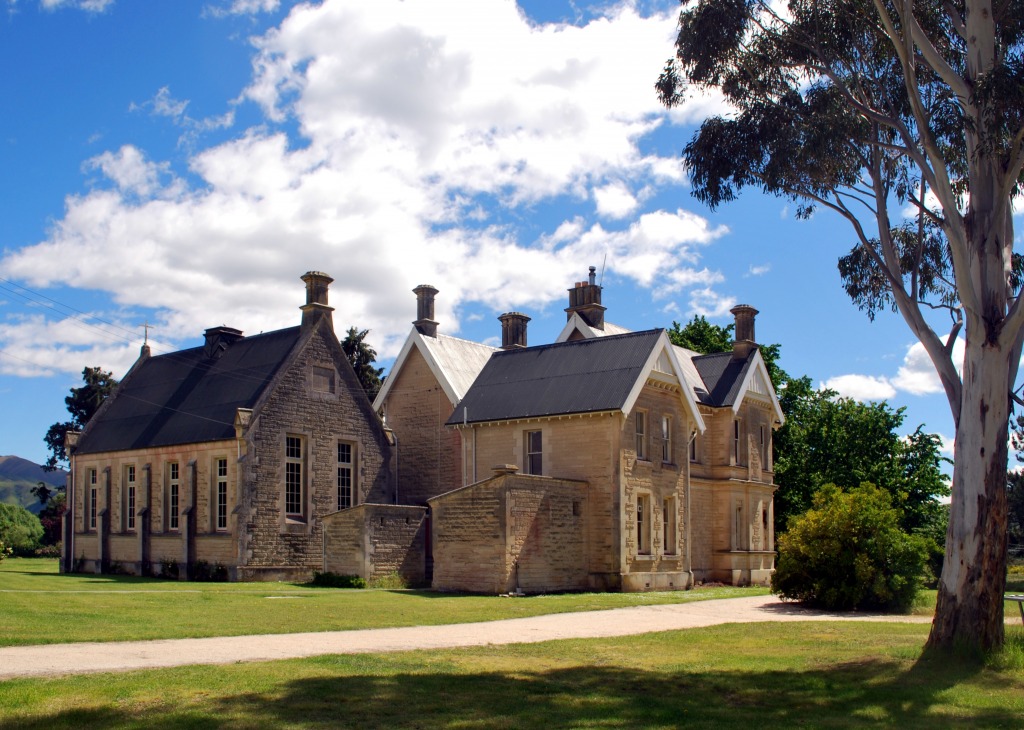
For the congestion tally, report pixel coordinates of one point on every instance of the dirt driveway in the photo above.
(55, 659)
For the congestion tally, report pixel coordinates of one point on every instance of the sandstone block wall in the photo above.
(429, 453)
(375, 540)
(509, 532)
(273, 544)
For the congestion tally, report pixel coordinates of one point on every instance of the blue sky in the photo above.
(182, 163)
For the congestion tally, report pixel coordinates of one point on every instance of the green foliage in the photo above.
(50, 517)
(701, 336)
(831, 440)
(82, 404)
(848, 552)
(328, 579)
(362, 358)
(19, 529)
(203, 572)
(1015, 512)
(5, 551)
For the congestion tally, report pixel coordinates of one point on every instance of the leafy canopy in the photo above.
(362, 357)
(831, 440)
(82, 404)
(849, 552)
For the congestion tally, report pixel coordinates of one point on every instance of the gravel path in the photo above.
(119, 656)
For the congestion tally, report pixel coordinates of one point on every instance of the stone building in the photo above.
(607, 460)
(232, 453)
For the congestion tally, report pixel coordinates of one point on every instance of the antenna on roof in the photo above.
(605, 261)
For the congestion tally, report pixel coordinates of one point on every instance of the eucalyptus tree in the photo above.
(871, 108)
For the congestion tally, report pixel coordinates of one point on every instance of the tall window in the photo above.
(92, 498)
(666, 439)
(129, 497)
(173, 489)
(643, 524)
(344, 475)
(668, 532)
(693, 446)
(764, 447)
(222, 494)
(294, 478)
(534, 453)
(641, 434)
(736, 442)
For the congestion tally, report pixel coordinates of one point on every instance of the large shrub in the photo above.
(848, 552)
(19, 529)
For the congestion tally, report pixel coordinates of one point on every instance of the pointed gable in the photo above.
(454, 362)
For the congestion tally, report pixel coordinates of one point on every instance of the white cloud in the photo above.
(413, 114)
(861, 387)
(243, 7)
(92, 6)
(614, 200)
(164, 105)
(917, 374)
(758, 270)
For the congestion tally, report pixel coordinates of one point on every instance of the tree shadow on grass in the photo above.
(877, 693)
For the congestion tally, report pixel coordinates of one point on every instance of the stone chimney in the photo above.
(585, 300)
(425, 323)
(513, 330)
(745, 341)
(315, 308)
(218, 339)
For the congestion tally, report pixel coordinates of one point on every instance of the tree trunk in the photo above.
(969, 611)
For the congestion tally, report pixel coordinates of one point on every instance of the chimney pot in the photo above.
(585, 300)
(513, 330)
(425, 323)
(316, 308)
(745, 341)
(218, 339)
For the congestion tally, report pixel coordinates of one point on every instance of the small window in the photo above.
(345, 475)
(666, 439)
(534, 453)
(643, 524)
(736, 442)
(92, 499)
(222, 495)
(129, 497)
(668, 516)
(294, 477)
(173, 494)
(641, 434)
(323, 380)
(693, 446)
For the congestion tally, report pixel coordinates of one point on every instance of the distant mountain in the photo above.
(18, 476)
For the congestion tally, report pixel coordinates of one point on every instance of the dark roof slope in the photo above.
(186, 397)
(722, 375)
(584, 376)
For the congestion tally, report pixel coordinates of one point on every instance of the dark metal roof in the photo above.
(722, 375)
(187, 397)
(584, 376)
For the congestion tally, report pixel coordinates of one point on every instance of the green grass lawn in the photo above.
(40, 606)
(764, 675)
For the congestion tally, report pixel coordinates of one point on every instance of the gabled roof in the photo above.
(728, 380)
(594, 375)
(187, 397)
(453, 361)
(576, 322)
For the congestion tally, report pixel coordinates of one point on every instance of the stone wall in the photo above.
(375, 540)
(275, 544)
(429, 454)
(511, 531)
